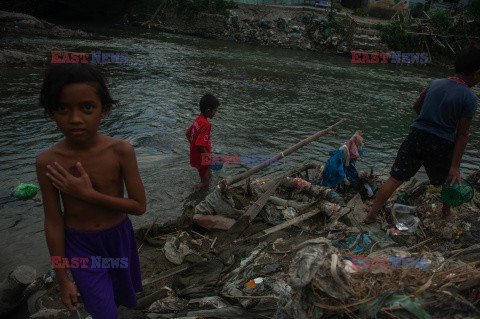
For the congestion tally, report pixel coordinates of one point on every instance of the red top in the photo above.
(199, 134)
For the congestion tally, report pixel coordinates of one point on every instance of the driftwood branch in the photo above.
(244, 221)
(164, 274)
(234, 179)
(289, 223)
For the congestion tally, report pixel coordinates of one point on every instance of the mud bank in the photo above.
(300, 28)
(20, 24)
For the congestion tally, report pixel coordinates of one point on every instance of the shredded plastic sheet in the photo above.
(317, 261)
(361, 243)
(176, 248)
(334, 173)
(392, 299)
(213, 221)
(216, 202)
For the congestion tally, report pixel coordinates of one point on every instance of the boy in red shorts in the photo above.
(199, 137)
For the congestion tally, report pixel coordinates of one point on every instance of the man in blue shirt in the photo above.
(439, 135)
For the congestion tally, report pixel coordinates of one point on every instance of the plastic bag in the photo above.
(24, 191)
(334, 173)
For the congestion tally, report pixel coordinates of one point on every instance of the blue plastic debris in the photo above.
(362, 243)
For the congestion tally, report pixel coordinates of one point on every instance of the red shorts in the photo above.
(202, 170)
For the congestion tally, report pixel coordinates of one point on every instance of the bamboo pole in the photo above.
(234, 179)
(428, 50)
(244, 221)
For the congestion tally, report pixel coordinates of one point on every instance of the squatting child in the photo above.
(199, 137)
(86, 173)
(439, 135)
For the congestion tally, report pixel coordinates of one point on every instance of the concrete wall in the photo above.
(388, 4)
(289, 2)
(443, 4)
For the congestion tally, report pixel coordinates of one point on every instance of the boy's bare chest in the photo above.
(103, 168)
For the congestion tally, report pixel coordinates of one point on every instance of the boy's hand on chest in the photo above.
(74, 182)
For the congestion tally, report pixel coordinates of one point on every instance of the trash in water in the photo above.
(24, 191)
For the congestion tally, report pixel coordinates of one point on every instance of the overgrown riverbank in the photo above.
(439, 33)
(303, 28)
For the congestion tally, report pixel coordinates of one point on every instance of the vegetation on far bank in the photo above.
(183, 8)
(438, 32)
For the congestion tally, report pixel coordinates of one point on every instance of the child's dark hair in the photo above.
(69, 73)
(468, 61)
(208, 102)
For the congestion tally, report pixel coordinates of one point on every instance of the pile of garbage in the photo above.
(292, 247)
(310, 32)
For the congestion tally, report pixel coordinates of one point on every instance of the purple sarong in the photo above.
(112, 274)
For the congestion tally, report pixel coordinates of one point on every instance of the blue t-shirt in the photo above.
(446, 101)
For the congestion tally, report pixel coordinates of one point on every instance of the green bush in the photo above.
(396, 37)
(441, 20)
(474, 9)
(382, 13)
(349, 4)
(193, 7)
(339, 7)
(359, 11)
(417, 10)
(331, 16)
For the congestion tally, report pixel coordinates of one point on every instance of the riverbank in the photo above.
(20, 24)
(295, 27)
(288, 27)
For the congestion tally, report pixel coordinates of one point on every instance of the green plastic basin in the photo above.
(457, 195)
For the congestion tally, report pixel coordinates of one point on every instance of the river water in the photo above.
(270, 100)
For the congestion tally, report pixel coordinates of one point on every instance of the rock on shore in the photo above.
(19, 24)
(18, 57)
(13, 22)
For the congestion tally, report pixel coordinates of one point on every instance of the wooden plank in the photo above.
(164, 274)
(339, 214)
(254, 209)
(244, 221)
(287, 224)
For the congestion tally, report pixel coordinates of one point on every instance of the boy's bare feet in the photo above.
(201, 185)
(371, 218)
(447, 212)
(204, 180)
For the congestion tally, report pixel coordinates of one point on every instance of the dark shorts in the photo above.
(423, 148)
(112, 274)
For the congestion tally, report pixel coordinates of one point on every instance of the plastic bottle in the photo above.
(333, 196)
(369, 189)
(403, 209)
(331, 208)
(329, 193)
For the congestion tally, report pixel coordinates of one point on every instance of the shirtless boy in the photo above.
(86, 173)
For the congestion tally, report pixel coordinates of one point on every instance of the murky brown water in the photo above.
(295, 95)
